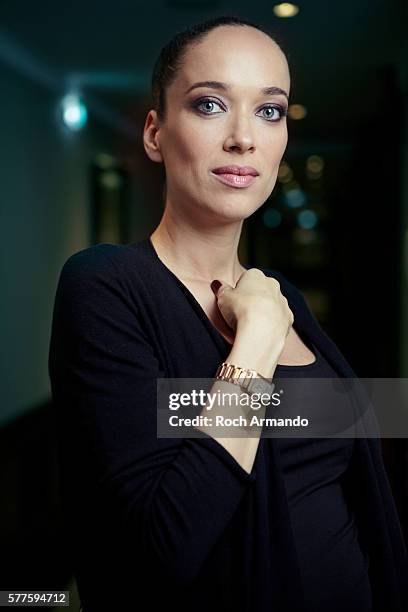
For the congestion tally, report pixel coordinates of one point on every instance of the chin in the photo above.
(234, 210)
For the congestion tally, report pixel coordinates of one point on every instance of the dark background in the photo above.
(62, 191)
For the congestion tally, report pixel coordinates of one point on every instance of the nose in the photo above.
(240, 137)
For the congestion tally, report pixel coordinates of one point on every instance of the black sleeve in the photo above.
(175, 496)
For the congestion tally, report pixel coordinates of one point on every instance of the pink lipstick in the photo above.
(236, 176)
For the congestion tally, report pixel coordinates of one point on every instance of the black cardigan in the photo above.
(178, 522)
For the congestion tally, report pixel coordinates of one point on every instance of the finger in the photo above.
(218, 287)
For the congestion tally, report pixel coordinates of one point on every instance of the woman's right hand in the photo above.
(256, 299)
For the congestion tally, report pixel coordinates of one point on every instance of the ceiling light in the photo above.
(285, 9)
(74, 113)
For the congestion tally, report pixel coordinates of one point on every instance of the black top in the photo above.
(178, 522)
(333, 566)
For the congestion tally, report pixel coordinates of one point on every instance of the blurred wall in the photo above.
(44, 218)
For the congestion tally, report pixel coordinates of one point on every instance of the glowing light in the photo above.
(307, 219)
(105, 161)
(272, 218)
(315, 163)
(294, 196)
(314, 167)
(297, 111)
(74, 113)
(110, 179)
(285, 173)
(285, 9)
(305, 236)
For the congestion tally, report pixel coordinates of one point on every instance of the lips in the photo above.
(235, 180)
(239, 170)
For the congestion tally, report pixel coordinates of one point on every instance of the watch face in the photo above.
(259, 386)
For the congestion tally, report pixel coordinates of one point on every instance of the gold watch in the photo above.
(250, 380)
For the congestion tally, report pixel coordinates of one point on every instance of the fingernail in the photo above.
(215, 285)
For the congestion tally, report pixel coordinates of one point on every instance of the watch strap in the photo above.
(250, 380)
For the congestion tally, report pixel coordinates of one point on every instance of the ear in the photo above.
(151, 137)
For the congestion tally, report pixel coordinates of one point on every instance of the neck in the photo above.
(198, 254)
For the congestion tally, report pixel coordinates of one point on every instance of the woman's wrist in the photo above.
(256, 348)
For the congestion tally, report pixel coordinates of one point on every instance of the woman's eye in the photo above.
(201, 104)
(275, 113)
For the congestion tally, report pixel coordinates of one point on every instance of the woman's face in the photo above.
(207, 127)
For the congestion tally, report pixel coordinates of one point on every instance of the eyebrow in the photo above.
(267, 91)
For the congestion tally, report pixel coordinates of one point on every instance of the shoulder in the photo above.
(105, 262)
(108, 278)
(100, 292)
(98, 258)
(100, 277)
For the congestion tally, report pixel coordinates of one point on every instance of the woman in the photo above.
(209, 523)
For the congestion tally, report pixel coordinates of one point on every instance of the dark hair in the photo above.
(172, 54)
